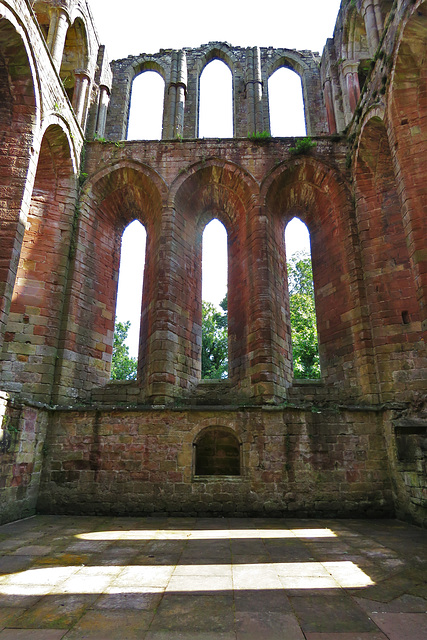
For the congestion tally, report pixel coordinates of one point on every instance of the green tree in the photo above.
(123, 367)
(303, 317)
(214, 341)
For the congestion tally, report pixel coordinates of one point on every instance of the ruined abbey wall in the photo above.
(72, 441)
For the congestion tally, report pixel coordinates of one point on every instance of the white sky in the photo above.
(142, 27)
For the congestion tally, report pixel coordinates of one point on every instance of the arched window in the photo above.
(214, 296)
(286, 104)
(129, 301)
(217, 453)
(216, 101)
(146, 108)
(305, 347)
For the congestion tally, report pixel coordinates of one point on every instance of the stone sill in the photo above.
(213, 479)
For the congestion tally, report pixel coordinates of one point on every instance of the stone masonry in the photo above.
(71, 440)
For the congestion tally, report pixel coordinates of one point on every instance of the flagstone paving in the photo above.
(82, 578)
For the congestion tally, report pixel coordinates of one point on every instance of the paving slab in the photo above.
(267, 625)
(211, 579)
(402, 626)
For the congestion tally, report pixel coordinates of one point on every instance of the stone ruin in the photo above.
(259, 442)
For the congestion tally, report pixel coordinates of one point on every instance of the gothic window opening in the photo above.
(129, 302)
(216, 101)
(214, 302)
(286, 104)
(146, 107)
(305, 346)
(217, 453)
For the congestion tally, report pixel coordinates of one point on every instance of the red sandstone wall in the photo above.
(293, 462)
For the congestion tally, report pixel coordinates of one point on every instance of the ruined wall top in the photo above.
(251, 67)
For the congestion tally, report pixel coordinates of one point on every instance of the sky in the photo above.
(143, 27)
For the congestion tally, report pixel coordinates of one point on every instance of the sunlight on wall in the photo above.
(286, 104)
(131, 276)
(146, 107)
(216, 101)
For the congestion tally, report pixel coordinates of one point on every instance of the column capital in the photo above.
(349, 66)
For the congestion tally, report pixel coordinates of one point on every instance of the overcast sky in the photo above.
(134, 26)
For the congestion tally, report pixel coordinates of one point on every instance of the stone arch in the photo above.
(407, 115)
(19, 119)
(141, 66)
(355, 56)
(320, 197)
(217, 452)
(74, 70)
(216, 189)
(112, 199)
(32, 339)
(389, 282)
(308, 70)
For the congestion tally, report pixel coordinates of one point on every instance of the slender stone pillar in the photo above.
(104, 99)
(371, 25)
(352, 83)
(253, 85)
(173, 120)
(59, 24)
(378, 18)
(330, 110)
(80, 94)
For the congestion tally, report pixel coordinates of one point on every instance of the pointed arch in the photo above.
(113, 198)
(19, 117)
(321, 199)
(39, 292)
(407, 115)
(389, 281)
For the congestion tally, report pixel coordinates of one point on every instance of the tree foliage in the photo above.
(214, 341)
(123, 366)
(303, 317)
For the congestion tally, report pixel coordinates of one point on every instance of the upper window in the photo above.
(216, 101)
(146, 107)
(286, 104)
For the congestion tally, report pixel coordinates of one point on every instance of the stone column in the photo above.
(371, 27)
(104, 99)
(351, 76)
(81, 87)
(253, 86)
(330, 110)
(59, 24)
(378, 17)
(173, 121)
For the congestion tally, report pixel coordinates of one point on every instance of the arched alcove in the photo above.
(305, 345)
(217, 453)
(39, 290)
(146, 107)
(286, 104)
(216, 101)
(407, 118)
(75, 57)
(129, 295)
(18, 118)
(214, 296)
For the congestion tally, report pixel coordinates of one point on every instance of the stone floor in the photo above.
(201, 579)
